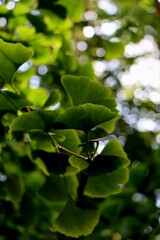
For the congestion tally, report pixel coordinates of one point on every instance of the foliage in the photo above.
(51, 170)
(63, 170)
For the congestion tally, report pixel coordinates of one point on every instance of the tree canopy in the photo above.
(79, 119)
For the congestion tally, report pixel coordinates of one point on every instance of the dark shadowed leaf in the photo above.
(15, 188)
(54, 189)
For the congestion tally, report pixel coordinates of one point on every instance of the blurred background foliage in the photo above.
(117, 42)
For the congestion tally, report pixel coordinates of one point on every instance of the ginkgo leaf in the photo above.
(12, 56)
(37, 120)
(11, 102)
(93, 92)
(85, 117)
(74, 221)
(111, 158)
(101, 186)
(114, 148)
(78, 163)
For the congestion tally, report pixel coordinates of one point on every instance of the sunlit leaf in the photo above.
(78, 163)
(114, 50)
(74, 221)
(93, 92)
(74, 9)
(12, 56)
(37, 96)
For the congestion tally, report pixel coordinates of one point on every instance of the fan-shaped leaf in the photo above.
(74, 221)
(85, 117)
(104, 185)
(37, 120)
(93, 92)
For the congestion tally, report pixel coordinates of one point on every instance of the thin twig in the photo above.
(63, 149)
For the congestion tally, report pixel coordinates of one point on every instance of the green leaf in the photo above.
(15, 187)
(11, 102)
(12, 56)
(104, 185)
(111, 158)
(37, 120)
(110, 125)
(85, 117)
(103, 164)
(114, 50)
(82, 90)
(78, 163)
(55, 190)
(74, 8)
(74, 221)
(114, 148)
(37, 96)
(53, 98)
(69, 139)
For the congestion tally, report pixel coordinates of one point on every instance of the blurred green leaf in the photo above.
(114, 50)
(15, 188)
(74, 9)
(37, 96)
(12, 102)
(12, 56)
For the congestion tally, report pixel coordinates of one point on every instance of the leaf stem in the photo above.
(63, 149)
(87, 146)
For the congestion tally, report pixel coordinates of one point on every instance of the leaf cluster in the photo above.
(52, 174)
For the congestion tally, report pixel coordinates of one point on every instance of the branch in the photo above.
(63, 149)
(157, 5)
